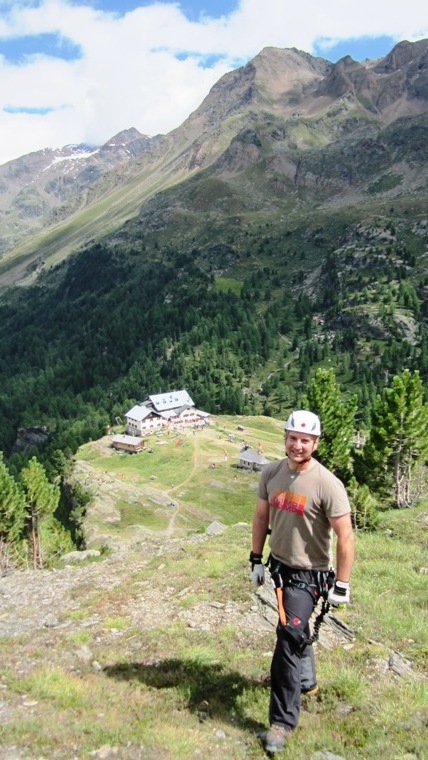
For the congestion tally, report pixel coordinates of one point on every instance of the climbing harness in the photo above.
(324, 581)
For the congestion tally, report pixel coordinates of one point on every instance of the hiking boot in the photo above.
(276, 738)
(311, 692)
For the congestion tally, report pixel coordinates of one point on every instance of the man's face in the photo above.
(300, 446)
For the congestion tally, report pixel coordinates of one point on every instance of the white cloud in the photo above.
(129, 73)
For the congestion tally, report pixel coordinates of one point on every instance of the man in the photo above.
(302, 503)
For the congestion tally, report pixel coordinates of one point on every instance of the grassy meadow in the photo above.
(190, 478)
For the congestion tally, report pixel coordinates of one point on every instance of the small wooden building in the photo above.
(249, 459)
(132, 444)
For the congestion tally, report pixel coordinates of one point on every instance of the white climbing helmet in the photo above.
(302, 421)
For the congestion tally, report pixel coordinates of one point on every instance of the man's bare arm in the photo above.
(345, 549)
(260, 525)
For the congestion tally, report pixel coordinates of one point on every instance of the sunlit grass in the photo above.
(226, 284)
(389, 585)
(152, 516)
(51, 684)
(79, 637)
(116, 623)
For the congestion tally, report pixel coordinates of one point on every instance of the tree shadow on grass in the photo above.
(211, 690)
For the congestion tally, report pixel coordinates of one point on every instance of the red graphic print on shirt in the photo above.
(289, 502)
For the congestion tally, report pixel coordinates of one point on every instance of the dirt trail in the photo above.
(170, 530)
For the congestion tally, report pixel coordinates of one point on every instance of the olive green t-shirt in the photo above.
(300, 504)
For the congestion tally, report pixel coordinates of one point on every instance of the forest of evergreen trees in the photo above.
(103, 330)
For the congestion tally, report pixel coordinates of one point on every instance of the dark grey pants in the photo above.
(293, 665)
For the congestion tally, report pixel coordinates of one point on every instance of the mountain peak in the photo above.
(404, 54)
(389, 86)
(283, 108)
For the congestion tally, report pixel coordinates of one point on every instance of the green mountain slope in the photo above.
(282, 227)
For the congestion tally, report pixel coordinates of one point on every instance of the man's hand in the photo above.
(339, 594)
(257, 574)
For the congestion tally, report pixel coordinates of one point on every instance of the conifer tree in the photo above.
(323, 397)
(42, 501)
(364, 506)
(12, 514)
(398, 440)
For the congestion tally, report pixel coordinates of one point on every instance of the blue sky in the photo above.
(76, 71)
(192, 9)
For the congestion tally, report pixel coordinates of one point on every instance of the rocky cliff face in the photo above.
(388, 88)
(27, 438)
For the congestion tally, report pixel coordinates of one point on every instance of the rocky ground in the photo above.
(41, 612)
(33, 601)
